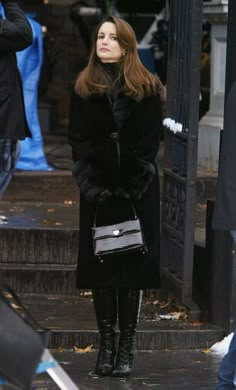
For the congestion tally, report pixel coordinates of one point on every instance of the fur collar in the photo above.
(122, 108)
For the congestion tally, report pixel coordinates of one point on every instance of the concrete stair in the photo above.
(39, 244)
(39, 247)
(72, 323)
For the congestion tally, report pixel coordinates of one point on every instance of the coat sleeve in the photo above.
(87, 177)
(15, 31)
(142, 165)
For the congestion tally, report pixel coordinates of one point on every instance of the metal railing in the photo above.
(181, 126)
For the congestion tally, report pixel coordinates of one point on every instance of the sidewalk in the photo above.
(159, 370)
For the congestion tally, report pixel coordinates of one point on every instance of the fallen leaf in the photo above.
(60, 349)
(15, 306)
(174, 316)
(87, 349)
(8, 295)
(86, 294)
(69, 202)
(196, 323)
(15, 208)
(206, 350)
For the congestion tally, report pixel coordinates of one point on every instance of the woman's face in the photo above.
(108, 48)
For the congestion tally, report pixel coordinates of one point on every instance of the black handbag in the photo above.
(21, 344)
(119, 238)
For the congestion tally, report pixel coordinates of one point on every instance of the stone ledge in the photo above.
(147, 340)
(72, 323)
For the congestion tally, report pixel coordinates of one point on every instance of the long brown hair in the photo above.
(138, 81)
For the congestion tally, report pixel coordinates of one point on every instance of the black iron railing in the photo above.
(181, 124)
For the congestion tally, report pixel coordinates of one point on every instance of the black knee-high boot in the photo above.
(129, 302)
(105, 304)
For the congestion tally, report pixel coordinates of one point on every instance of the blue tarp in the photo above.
(29, 61)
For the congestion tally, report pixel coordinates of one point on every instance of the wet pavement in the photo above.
(159, 370)
(152, 370)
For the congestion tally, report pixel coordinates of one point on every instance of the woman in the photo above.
(115, 93)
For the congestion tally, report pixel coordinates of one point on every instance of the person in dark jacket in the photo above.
(115, 93)
(15, 35)
(224, 217)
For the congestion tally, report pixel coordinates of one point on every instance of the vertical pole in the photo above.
(230, 78)
(195, 18)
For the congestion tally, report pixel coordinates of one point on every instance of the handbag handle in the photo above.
(131, 204)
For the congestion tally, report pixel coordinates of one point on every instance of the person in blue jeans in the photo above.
(227, 370)
(9, 154)
(15, 35)
(10, 150)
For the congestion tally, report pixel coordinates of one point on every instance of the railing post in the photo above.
(179, 177)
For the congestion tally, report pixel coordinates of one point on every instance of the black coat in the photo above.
(224, 216)
(15, 35)
(92, 122)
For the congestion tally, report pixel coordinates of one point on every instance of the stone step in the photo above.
(72, 324)
(39, 234)
(39, 246)
(42, 186)
(59, 185)
(53, 280)
(176, 338)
